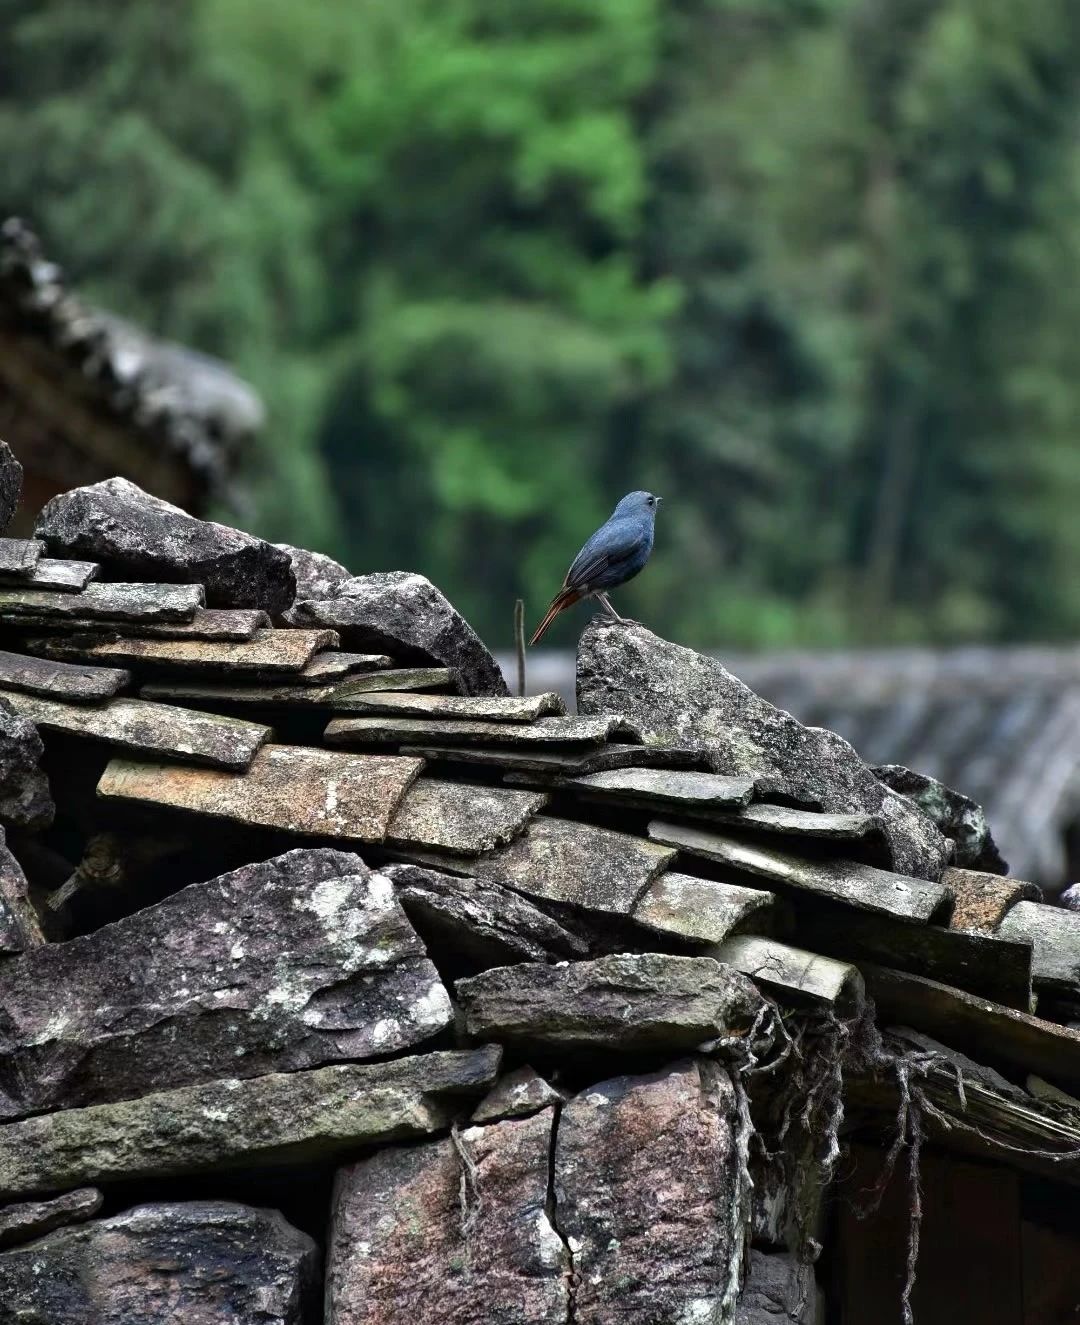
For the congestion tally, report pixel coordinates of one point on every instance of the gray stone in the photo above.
(846, 881)
(25, 799)
(676, 787)
(627, 1003)
(300, 960)
(981, 900)
(11, 480)
(647, 1194)
(194, 1262)
(321, 793)
(788, 821)
(1055, 935)
(432, 1234)
(285, 1118)
(550, 767)
(490, 708)
(454, 816)
(562, 860)
(20, 927)
(778, 1291)
(684, 698)
(19, 556)
(77, 685)
(335, 666)
(519, 1094)
(349, 694)
(703, 910)
(209, 623)
(147, 728)
(558, 732)
(117, 523)
(32, 1219)
(268, 651)
(48, 573)
(103, 603)
(478, 922)
(1070, 898)
(961, 820)
(316, 575)
(405, 615)
(793, 972)
(280, 694)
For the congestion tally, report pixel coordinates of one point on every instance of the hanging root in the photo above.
(468, 1187)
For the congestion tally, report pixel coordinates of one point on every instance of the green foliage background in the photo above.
(808, 268)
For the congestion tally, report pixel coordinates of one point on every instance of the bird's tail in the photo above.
(563, 599)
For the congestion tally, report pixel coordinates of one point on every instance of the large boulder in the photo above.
(316, 575)
(199, 1261)
(403, 614)
(137, 536)
(680, 697)
(11, 481)
(25, 798)
(304, 959)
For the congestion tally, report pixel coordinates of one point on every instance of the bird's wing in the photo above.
(607, 548)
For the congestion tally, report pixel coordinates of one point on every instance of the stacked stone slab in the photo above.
(447, 998)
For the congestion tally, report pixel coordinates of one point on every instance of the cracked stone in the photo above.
(454, 816)
(519, 1094)
(32, 1219)
(960, 818)
(316, 575)
(702, 910)
(77, 685)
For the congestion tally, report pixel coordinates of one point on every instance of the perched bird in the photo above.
(614, 554)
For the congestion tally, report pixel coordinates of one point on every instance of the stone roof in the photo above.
(293, 879)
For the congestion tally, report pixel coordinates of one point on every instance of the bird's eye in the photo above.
(652, 501)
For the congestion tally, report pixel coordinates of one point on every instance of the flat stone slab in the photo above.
(647, 1193)
(335, 666)
(321, 793)
(562, 860)
(32, 1219)
(627, 1003)
(787, 820)
(407, 1247)
(677, 787)
(19, 556)
(209, 623)
(286, 1118)
(703, 910)
(273, 651)
(981, 901)
(147, 728)
(67, 681)
(487, 708)
(197, 1261)
(301, 960)
(558, 732)
(857, 885)
(105, 602)
(1054, 934)
(518, 1094)
(479, 922)
(295, 692)
(538, 765)
(397, 678)
(454, 816)
(793, 973)
(49, 573)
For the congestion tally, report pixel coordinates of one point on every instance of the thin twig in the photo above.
(519, 643)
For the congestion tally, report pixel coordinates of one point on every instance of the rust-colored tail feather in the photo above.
(563, 599)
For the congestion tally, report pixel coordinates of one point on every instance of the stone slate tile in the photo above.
(104, 603)
(268, 651)
(793, 973)
(1054, 933)
(488, 708)
(19, 556)
(981, 901)
(679, 788)
(403, 1251)
(196, 1261)
(542, 767)
(300, 960)
(348, 694)
(32, 1219)
(814, 825)
(557, 732)
(454, 816)
(209, 623)
(284, 1119)
(336, 666)
(290, 693)
(702, 910)
(67, 681)
(321, 793)
(147, 728)
(518, 1094)
(49, 573)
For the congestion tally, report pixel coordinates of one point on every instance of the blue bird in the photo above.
(615, 553)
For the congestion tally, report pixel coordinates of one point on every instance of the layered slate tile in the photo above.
(679, 788)
(66, 681)
(540, 765)
(487, 708)
(284, 1117)
(19, 556)
(981, 901)
(336, 665)
(268, 651)
(793, 973)
(209, 623)
(297, 789)
(557, 732)
(105, 602)
(702, 910)
(27, 1220)
(454, 816)
(861, 886)
(565, 861)
(1055, 936)
(147, 728)
(812, 825)
(49, 573)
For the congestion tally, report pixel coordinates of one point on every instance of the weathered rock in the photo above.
(454, 816)
(683, 789)
(557, 732)
(789, 821)
(792, 972)
(405, 615)
(117, 523)
(20, 927)
(147, 728)
(846, 881)
(428, 1235)
(100, 603)
(316, 575)
(279, 694)
(959, 817)
(208, 623)
(565, 861)
(479, 922)
(290, 1118)
(48, 573)
(519, 1094)
(25, 799)
(300, 960)
(77, 685)
(32, 1219)
(268, 651)
(685, 698)
(194, 1262)
(19, 556)
(335, 666)
(981, 901)
(350, 694)
(321, 793)
(704, 910)
(647, 1194)
(528, 767)
(628, 1003)
(775, 1287)
(11, 480)
(1055, 935)
(490, 708)
(1070, 898)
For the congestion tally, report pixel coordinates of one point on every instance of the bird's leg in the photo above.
(602, 598)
